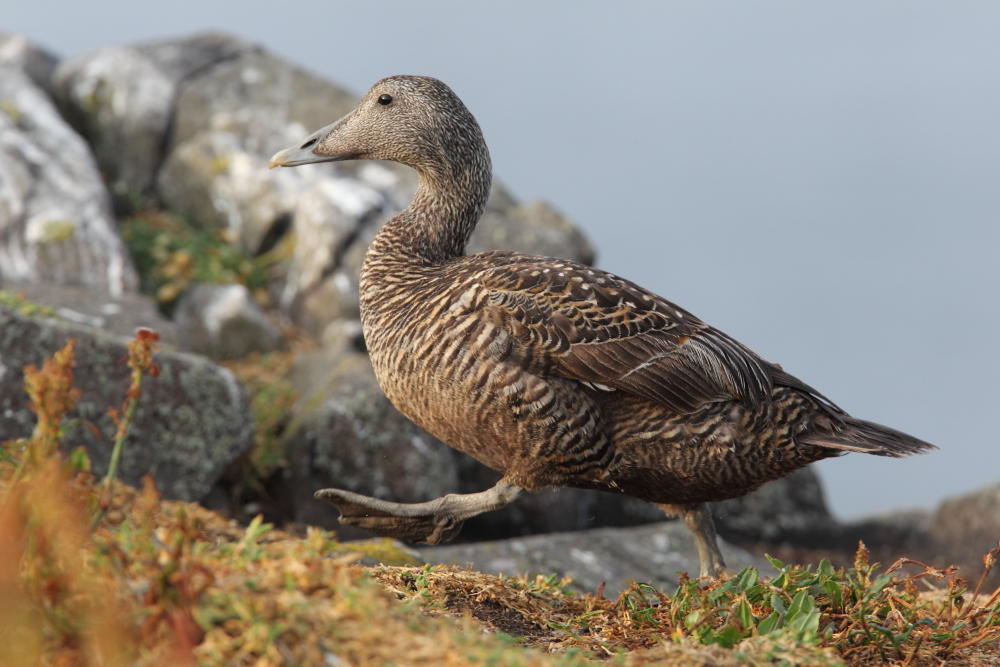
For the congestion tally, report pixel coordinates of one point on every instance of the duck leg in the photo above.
(432, 522)
(698, 519)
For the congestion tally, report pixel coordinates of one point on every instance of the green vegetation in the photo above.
(19, 303)
(171, 254)
(805, 615)
(271, 401)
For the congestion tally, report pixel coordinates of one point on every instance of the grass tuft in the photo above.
(172, 254)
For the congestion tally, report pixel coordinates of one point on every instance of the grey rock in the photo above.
(55, 217)
(122, 99)
(191, 422)
(888, 536)
(966, 527)
(121, 314)
(653, 554)
(215, 183)
(259, 99)
(346, 434)
(331, 219)
(536, 228)
(228, 122)
(972, 519)
(38, 63)
(333, 298)
(224, 322)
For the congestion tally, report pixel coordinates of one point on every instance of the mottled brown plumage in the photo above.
(549, 371)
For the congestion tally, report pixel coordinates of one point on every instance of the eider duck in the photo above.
(549, 371)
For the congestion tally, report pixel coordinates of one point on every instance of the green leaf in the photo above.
(806, 623)
(775, 563)
(876, 587)
(769, 624)
(832, 589)
(801, 604)
(79, 460)
(745, 579)
(726, 637)
(745, 615)
(778, 604)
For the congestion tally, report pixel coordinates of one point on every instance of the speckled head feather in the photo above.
(414, 120)
(419, 122)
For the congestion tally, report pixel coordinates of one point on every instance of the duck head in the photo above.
(414, 120)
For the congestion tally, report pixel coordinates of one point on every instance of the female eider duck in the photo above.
(549, 371)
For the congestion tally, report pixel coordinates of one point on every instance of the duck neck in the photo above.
(436, 226)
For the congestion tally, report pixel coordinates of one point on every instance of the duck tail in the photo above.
(858, 435)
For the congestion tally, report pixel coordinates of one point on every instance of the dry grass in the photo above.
(122, 577)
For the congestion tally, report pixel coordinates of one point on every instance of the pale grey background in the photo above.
(817, 179)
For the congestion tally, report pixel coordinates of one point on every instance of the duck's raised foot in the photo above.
(432, 522)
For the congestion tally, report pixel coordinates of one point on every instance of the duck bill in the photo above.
(295, 156)
(305, 153)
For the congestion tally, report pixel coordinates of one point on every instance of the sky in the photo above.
(819, 180)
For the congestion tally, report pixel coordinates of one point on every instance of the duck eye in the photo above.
(385, 99)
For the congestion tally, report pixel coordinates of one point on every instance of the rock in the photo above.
(38, 63)
(328, 220)
(536, 228)
(888, 536)
(122, 99)
(348, 435)
(259, 99)
(972, 520)
(613, 556)
(120, 315)
(228, 123)
(224, 322)
(191, 422)
(55, 217)
(966, 528)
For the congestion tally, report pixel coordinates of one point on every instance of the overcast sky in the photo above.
(820, 180)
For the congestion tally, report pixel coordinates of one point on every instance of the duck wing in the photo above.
(578, 322)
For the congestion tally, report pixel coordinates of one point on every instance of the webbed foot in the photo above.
(432, 522)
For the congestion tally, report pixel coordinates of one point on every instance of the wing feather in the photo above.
(602, 330)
